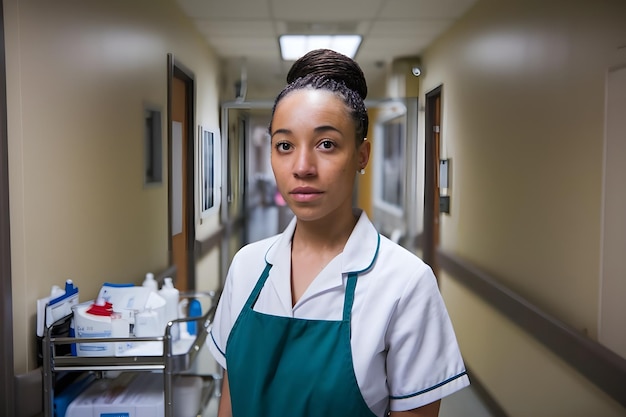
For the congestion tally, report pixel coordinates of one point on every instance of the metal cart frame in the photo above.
(169, 363)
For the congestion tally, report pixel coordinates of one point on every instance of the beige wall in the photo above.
(523, 98)
(78, 76)
(523, 123)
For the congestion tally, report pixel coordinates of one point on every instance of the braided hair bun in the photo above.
(323, 69)
(332, 65)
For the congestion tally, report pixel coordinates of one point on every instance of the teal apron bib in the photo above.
(289, 367)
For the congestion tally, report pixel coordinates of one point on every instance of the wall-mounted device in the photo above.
(444, 186)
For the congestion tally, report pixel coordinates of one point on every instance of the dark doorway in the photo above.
(431, 180)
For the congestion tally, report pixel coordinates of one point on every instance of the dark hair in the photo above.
(324, 69)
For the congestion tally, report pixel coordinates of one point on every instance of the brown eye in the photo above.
(283, 146)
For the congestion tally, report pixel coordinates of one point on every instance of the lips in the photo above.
(305, 194)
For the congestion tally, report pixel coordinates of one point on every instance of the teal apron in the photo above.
(290, 367)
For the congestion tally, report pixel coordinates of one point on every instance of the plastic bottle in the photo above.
(150, 282)
(195, 310)
(71, 293)
(171, 296)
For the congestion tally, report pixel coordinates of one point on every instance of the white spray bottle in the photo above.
(171, 296)
(150, 282)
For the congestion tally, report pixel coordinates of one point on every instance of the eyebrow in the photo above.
(318, 129)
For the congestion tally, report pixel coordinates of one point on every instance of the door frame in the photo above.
(175, 69)
(431, 166)
(7, 373)
(234, 223)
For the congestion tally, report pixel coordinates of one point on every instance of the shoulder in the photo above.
(391, 248)
(400, 277)
(244, 271)
(248, 264)
(255, 251)
(393, 257)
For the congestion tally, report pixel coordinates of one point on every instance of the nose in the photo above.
(304, 163)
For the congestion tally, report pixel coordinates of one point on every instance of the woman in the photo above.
(329, 318)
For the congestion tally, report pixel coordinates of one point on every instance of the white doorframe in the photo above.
(612, 303)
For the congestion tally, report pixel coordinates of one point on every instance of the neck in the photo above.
(329, 234)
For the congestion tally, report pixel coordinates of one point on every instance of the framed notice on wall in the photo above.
(208, 170)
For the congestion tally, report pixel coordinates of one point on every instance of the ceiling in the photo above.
(244, 33)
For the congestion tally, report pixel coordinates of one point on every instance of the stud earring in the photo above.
(361, 171)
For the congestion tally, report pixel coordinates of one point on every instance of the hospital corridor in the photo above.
(366, 205)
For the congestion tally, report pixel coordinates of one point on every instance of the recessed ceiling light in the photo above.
(293, 47)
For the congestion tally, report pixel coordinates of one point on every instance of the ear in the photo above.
(363, 153)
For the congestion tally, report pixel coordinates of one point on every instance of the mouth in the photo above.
(305, 194)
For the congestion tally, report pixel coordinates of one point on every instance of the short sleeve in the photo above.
(424, 362)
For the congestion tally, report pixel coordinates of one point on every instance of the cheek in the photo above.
(281, 174)
(274, 162)
(344, 173)
(350, 167)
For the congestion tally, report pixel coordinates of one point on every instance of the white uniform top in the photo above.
(404, 350)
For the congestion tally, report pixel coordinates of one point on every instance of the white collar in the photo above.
(358, 256)
(359, 252)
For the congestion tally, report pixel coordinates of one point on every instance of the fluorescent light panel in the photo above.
(293, 47)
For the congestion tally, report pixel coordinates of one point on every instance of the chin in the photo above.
(307, 214)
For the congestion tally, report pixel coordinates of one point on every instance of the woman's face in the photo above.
(314, 157)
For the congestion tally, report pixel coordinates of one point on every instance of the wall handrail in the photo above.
(600, 365)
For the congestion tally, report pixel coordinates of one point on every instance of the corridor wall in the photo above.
(523, 120)
(78, 77)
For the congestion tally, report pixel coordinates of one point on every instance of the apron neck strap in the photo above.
(349, 299)
(254, 295)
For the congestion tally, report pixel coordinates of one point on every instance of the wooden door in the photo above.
(178, 183)
(181, 182)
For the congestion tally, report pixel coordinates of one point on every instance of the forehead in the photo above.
(311, 100)
(311, 106)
